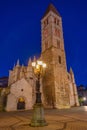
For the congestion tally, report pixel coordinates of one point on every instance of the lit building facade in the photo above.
(58, 86)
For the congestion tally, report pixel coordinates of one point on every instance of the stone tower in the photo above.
(56, 89)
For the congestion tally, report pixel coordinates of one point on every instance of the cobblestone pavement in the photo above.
(69, 119)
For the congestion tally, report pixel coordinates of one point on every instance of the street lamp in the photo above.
(84, 98)
(38, 110)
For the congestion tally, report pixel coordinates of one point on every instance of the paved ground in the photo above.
(70, 119)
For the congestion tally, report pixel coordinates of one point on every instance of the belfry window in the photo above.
(56, 21)
(59, 59)
(46, 22)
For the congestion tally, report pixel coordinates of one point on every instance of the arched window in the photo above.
(57, 22)
(46, 22)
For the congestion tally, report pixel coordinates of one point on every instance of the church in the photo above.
(58, 86)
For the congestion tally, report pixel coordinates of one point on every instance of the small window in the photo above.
(58, 44)
(22, 90)
(55, 20)
(59, 58)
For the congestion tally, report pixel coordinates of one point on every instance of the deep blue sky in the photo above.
(20, 33)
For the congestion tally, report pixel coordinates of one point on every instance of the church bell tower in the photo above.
(55, 81)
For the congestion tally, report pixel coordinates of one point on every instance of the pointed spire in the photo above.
(14, 66)
(18, 63)
(34, 59)
(71, 71)
(29, 62)
(51, 8)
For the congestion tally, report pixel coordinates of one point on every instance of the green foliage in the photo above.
(81, 101)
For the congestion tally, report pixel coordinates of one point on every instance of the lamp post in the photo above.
(38, 110)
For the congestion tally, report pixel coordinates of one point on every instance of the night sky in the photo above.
(20, 33)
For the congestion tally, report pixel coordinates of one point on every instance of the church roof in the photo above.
(51, 8)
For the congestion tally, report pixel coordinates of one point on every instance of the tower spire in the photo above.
(34, 58)
(51, 8)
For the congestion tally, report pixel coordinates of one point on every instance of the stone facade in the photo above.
(21, 91)
(22, 87)
(58, 85)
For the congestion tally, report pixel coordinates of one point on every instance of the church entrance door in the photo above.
(21, 103)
